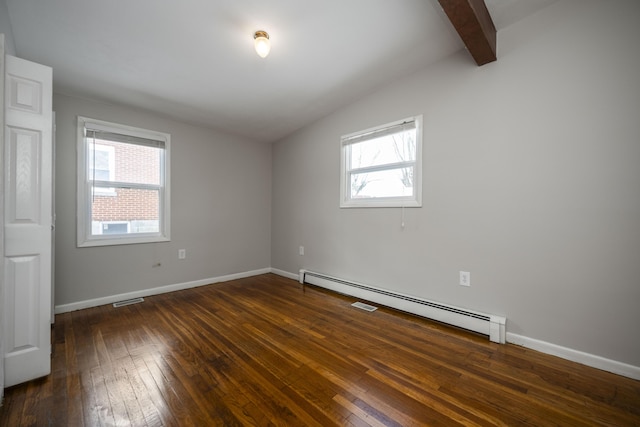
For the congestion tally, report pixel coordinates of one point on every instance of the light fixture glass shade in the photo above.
(262, 43)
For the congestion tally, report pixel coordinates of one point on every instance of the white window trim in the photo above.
(84, 234)
(382, 202)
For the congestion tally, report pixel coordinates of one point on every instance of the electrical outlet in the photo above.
(301, 250)
(182, 253)
(465, 278)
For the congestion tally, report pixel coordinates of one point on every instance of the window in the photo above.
(123, 184)
(102, 167)
(381, 167)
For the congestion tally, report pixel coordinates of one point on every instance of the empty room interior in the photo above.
(363, 213)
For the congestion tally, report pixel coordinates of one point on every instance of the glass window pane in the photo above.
(101, 162)
(399, 147)
(100, 175)
(132, 163)
(127, 211)
(387, 183)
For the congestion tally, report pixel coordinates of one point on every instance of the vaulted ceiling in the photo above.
(193, 60)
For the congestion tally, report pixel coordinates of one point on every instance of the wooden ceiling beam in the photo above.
(473, 23)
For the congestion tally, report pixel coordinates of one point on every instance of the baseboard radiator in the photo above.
(487, 324)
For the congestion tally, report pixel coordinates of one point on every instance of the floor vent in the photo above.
(488, 324)
(363, 306)
(128, 302)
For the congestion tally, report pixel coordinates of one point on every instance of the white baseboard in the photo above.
(284, 274)
(577, 356)
(64, 308)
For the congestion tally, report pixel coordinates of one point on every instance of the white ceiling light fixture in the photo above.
(262, 43)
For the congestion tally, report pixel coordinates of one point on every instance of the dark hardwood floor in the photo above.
(260, 351)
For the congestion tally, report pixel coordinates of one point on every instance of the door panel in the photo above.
(22, 295)
(23, 192)
(27, 220)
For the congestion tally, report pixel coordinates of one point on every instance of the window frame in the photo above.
(415, 200)
(85, 236)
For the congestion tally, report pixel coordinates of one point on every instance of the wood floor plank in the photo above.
(176, 407)
(103, 403)
(138, 392)
(159, 397)
(462, 414)
(30, 410)
(359, 413)
(265, 351)
(258, 378)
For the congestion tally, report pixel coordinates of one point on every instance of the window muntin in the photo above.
(381, 167)
(123, 184)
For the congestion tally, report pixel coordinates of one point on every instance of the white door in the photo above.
(27, 220)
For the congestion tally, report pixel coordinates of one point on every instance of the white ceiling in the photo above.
(193, 60)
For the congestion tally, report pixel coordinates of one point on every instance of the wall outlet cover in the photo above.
(465, 278)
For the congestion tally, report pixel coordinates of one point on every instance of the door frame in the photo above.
(2, 215)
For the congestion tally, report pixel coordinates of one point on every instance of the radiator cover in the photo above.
(488, 324)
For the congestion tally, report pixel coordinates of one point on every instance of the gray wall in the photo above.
(220, 209)
(5, 28)
(531, 183)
